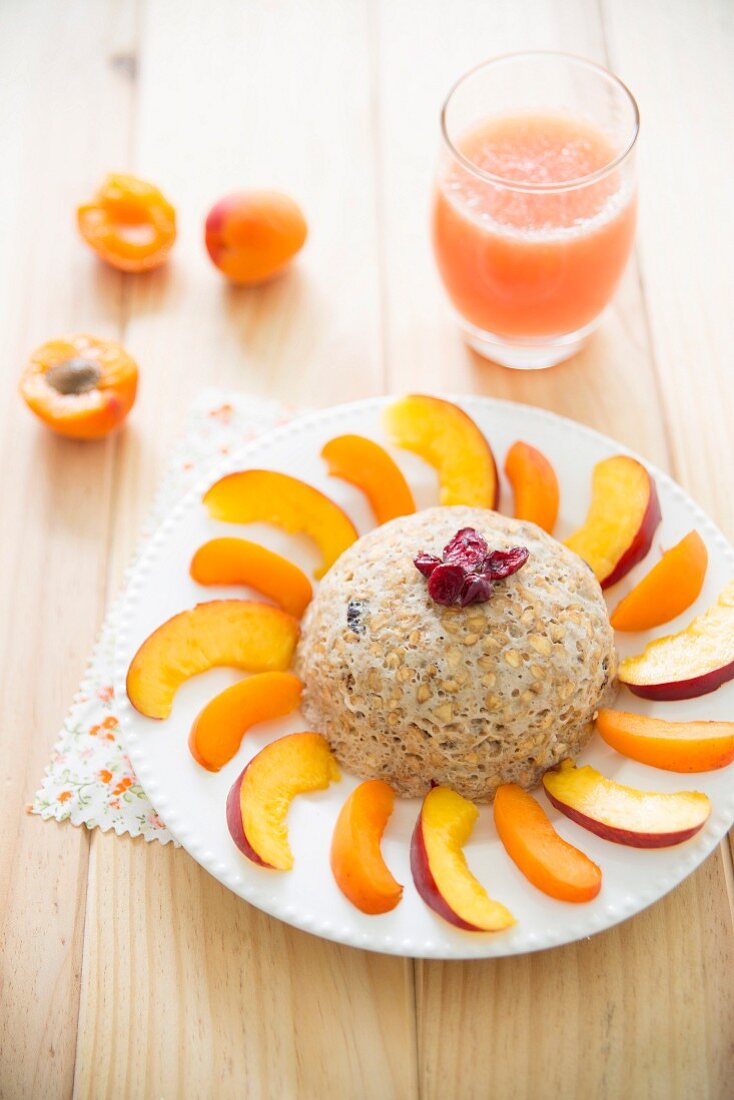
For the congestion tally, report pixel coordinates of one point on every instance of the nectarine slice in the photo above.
(692, 662)
(622, 519)
(545, 858)
(265, 496)
(670, 587)
(440, 871)
(356, 860)
(672, 746)
(219, 727)
(237, 561)
(239, 633)
(449, 440)
(367, 465)
(534, 485)
(259, 800)
(642, 819)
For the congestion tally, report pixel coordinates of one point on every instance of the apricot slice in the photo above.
(692, 662)
(79, 386)
(237, 561)
(670, 587)
(440, 871)
(367, 465)
(534, 485)
(622, 519)
(259, 800)
(219, 727)
(672, 746)
(128, 223)
(356, 860)
(641, 819)
(237, 633)
(444, 436)
(545, 858)
(252, 236)
(253, 496)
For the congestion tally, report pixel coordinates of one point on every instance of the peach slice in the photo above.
(641, 819)
(237, 561)
(367, 465)
(356, 860)
(670, 587)
(259, 799)
(239, 633)
(672, 746)
(219, 727)
(442, 434)
(440, 871)
(622, 519)
(693, 662)
(265, 496)
(545, 858)
(534, 485)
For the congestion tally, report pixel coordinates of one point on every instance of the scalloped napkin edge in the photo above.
(89, 779)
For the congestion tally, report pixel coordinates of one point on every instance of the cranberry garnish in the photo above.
(477, 588)
(465, 573)
(445, 583)
(426, 563)
(502, 563)
(467, 548)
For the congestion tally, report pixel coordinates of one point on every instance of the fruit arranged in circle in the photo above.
(265, 496)
(237, 633)
(671, 586)
(79, 386)
(252, 236)
(237, 561)
(444, 436)
(673, 746)
(356, 860)
(642, 819)
(622, 519)
(258, 802)
(219, 727)
(692, 662)
(367, 465)
(129, 223)
(545, 858)
(440, 871)
(534, 485)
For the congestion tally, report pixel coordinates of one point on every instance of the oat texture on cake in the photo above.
(417, 693)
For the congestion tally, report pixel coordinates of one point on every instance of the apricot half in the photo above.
(672, 746)
(692, 662)
(534, 485)
(622, 519)
(670, 587)
(79, 386)
(440, 871)
(545, 858)
(253, 496)
(128, 223)
(237, 561)
(252, 236)
(258, 802)
(356, 860)
(219, 727)
(444, 436)
(367, 465)
(237, 633)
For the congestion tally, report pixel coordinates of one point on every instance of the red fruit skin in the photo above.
(234, 822)
(503, 563)
(623, 836)
(467, 548)
(445, 583)
(640, 545)
(684, 689)
(425, 883)
(426, 563)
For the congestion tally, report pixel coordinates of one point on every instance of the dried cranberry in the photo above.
(426, 563)
(477, 588)
(502, 563)
(467, 548)
(445, 583)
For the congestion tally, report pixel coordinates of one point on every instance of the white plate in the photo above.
(192, 801)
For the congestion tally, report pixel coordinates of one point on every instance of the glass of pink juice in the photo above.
(535, 204)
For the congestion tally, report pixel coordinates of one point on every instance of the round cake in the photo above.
(414, 692)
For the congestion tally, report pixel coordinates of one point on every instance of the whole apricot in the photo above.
(128, 223)
(251, 236)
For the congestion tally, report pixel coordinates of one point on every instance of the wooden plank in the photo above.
(186, 990)
(63, 102)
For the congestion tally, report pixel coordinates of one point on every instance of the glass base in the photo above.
(531, 353)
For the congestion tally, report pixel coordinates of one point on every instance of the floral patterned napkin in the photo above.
(89, 780)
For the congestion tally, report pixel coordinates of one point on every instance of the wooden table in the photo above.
(126, 970)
